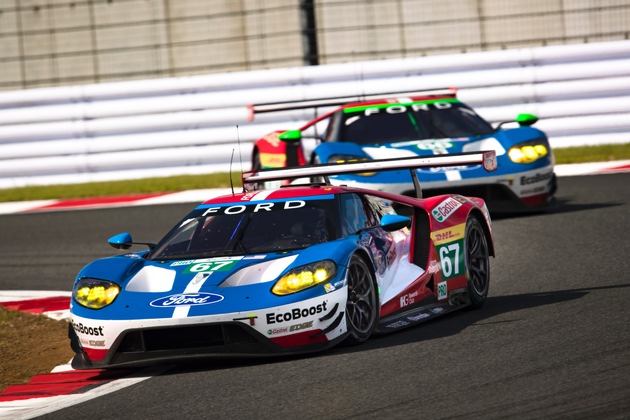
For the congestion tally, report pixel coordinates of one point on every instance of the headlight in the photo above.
(350, 159)
(528, 152)
(94, 293)
(306, 276)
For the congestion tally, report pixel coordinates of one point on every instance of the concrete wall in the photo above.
(193, 124)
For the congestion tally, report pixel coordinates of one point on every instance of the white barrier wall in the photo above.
(192, 125)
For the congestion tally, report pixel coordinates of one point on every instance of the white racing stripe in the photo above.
(193, 287)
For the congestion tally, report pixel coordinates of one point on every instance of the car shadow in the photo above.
(447, 325)
(561, 206)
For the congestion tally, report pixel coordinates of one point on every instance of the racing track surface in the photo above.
(553, 340)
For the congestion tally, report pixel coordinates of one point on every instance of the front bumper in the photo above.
(307, 326)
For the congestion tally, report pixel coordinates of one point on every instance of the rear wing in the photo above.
(341, 100)
(486, 158)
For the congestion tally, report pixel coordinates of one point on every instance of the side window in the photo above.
(353, 215)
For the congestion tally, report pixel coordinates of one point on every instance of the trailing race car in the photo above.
(417, 124)
(290, 270)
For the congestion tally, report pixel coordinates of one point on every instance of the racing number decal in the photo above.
(451, 259)
(210, 266)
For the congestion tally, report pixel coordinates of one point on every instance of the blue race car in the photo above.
(290, 270)
(418, 124)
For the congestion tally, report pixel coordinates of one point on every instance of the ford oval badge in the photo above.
(186, 299)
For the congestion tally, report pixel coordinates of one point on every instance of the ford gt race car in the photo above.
(289, 270)
(420, 124)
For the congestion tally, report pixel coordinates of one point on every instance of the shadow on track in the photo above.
(446, 325)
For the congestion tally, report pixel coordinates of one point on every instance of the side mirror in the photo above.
(392, 222)
(525, 120)
(291, 136)
(121, 241)
(124, 241)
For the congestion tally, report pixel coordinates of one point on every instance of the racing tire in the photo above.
(362, 303)
(477, 260)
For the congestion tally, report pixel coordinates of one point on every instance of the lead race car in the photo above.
(422, 123)
(289, 270)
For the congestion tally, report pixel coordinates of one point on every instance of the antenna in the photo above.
(231, 183)
(240, 155)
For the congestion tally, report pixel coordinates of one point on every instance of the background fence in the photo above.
(187, 125)
(67, 42)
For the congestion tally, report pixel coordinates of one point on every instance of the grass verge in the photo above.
(30, 345)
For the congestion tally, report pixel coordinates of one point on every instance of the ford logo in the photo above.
(186, 299)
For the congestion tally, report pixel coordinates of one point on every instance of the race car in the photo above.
(421, 123)
(291, 270)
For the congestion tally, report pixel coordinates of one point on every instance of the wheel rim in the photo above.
(361, 298)
(478, 259)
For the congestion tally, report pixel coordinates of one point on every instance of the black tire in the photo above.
(477, 259)
(362, 304)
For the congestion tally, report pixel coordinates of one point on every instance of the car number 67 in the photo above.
(448, 263)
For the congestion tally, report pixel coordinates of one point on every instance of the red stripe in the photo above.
(61, 383)
(617, 168)
(37, 306)
(86, 202)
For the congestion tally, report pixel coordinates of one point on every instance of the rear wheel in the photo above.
(361, 307)
(477, 262)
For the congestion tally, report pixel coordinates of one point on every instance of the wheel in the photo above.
(477, 258)
(361, 307)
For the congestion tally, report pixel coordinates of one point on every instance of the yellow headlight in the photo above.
(95, 294)
(527, 153)
(304, 277)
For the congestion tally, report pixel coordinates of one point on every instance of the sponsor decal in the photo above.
(397, 324)
(418, 317)
(296, 313)
(329, 288)
(301, 326)
(434, 144)
(186, 299)
(206, 260)
(445, 209)
(259, 207)
(275, 331)
(442, 290)
(84, 329)
(408, 299)
(526, 180)
(449, 234)
(96, 343)
(437, 310)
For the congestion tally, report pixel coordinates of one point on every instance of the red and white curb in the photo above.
(197, 196)
(63, 386)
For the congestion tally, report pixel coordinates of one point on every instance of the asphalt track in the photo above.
(553, 340)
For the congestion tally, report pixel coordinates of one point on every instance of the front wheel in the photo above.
(477, 257)
(361, 307)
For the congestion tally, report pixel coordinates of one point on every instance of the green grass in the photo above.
(222, 180)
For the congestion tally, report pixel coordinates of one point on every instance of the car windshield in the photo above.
(240, 229)
(393, 123)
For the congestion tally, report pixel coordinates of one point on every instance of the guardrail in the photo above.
(193, 125)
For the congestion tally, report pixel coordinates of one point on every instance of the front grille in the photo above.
(191, 337)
